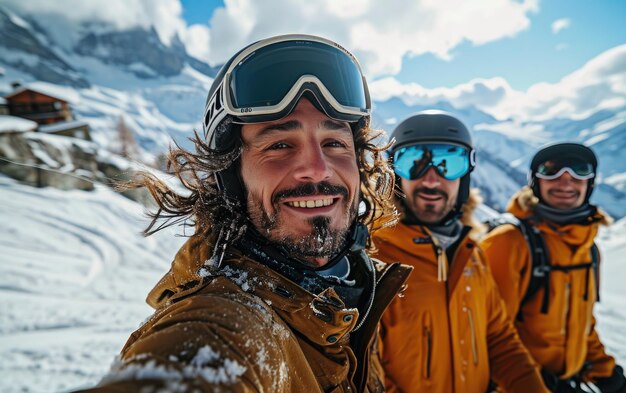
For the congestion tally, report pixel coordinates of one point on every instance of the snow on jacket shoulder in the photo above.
(562, 340)
(453, 335)
(246, 328)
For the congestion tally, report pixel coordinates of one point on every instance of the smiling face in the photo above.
(564, 192)
(302, 180)
(431, 197)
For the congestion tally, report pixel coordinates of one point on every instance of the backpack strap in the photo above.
(540, 266)
(595, 263)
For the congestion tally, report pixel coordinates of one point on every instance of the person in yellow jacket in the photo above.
(450, 331)
(557, 326)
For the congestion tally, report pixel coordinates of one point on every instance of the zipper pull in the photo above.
(442, 264)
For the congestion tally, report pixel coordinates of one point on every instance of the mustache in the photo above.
(556, 191)
(306, 189)
(429, 191)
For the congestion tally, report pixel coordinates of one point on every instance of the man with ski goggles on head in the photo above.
(449, 332)
(545, 262)
(274, 292)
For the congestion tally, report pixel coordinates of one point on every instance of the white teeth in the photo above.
(311, 203)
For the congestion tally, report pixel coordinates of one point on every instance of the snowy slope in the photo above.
(74, 273)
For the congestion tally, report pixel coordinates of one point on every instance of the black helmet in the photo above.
(431, 126)
(435, 126)
(265, 80)
(563, 150)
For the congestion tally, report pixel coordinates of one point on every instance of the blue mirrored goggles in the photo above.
(450, 161)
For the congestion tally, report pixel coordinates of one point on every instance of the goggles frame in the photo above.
(562, 171)
(470, 155)
(221, 102)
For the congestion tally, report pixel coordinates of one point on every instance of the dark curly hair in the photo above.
(205, 207)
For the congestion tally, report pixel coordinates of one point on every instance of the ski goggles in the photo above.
(577, 168)
(265, 81)
(450, 161)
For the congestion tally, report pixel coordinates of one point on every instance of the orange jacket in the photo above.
(564, 338)
(448, 336)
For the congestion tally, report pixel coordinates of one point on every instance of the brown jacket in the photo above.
(246, 328)
(449, 332)
(564, 338)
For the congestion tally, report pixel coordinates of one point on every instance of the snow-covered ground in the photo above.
(74, 272)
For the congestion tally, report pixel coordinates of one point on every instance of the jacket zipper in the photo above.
(473, 331)
(450, 343)
(568, 291)
(429, 339)
(374, 283)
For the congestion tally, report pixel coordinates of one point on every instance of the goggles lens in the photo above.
(576, 167)
(266, 76)
(450, 161)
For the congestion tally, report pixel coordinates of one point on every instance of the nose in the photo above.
(431, 178)
(312, 164)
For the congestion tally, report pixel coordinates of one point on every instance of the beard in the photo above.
(431, 213)
(322, 241)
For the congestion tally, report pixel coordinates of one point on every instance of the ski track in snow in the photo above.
(75, 270)
(74, 273)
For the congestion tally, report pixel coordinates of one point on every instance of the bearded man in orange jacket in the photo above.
(450, 332)
(555, 321)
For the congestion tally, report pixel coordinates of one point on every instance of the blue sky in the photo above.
(532, 55)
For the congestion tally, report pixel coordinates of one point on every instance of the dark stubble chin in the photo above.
(430, 213)
(322, 241)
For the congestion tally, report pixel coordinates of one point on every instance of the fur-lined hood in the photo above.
(524, 201)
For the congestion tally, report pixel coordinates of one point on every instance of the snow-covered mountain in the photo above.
(160, 90)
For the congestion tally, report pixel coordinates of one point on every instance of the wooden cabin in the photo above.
(38, 106)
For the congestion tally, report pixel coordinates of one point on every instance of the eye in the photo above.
(278, 146)
(335, 143)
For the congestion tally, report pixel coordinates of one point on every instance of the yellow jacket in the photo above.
(452, 335)
(564, 338)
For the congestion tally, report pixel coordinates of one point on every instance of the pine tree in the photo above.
(128, 145)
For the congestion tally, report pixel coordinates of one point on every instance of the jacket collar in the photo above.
(323, 313)
(522, 205)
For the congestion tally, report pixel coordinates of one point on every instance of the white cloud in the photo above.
(164, 15)
(560, 24)
(379, 33)
(599, 84)
(561, 46)
(197, 39)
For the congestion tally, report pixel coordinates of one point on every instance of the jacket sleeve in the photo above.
(200, 344)
(506, 253)
(601, 363)
(511, 365)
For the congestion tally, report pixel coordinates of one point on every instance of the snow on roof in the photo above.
(64, 125)
(16, 124)
(61, 92)
(2, 101)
